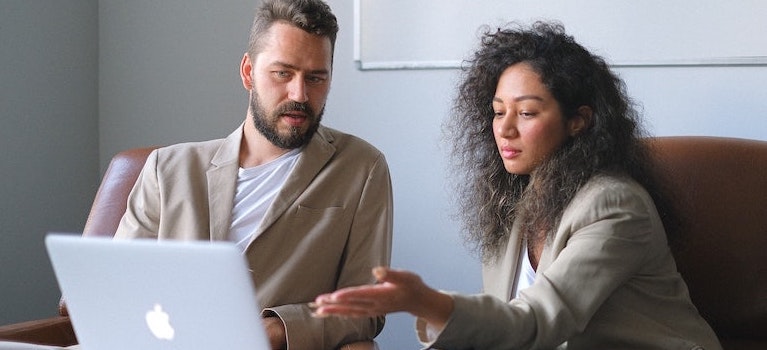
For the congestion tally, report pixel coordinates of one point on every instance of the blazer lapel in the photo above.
(313, 158)
(222, 182)
(499, 275)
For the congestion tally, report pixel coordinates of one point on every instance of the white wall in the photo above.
(717, 101)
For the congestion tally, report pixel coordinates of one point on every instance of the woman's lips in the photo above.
(509, 152)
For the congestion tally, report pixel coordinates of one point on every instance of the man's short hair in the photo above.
(313, 16)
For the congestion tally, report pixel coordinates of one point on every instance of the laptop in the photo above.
(149, 294)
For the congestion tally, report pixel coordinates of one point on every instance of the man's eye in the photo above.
(281, 74)
(315, 79)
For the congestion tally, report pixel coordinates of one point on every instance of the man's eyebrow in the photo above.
(294, 67)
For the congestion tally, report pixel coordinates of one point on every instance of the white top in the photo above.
(256, 189)
(526, 273)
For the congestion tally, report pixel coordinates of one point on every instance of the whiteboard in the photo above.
(423, 34)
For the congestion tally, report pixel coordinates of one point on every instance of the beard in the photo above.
(266, 123)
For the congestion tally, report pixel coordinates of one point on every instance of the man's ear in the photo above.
(246, 72)
(581, 121)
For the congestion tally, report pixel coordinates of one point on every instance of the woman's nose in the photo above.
(506, 126)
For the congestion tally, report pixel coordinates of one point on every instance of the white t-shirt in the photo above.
(256, 189)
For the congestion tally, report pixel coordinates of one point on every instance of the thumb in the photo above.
(385, 274)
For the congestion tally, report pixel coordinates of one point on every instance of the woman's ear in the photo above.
(581, 121)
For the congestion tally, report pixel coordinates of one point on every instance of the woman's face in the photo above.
(528, 125)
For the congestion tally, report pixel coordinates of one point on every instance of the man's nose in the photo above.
(297, 90)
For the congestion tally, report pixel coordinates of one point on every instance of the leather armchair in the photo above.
(719, 189)
(104, 217)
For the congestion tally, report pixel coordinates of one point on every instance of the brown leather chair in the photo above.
(107, 209)
(719, 189)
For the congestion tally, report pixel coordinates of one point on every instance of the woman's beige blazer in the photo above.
(607, 280)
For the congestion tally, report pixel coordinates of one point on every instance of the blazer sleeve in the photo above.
(142, 215)
(603, 239)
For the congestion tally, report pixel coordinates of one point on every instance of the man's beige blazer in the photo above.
(329, 225)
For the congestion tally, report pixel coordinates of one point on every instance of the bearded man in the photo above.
(310, 207)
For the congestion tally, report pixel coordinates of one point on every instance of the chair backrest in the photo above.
(719, 189)
(112, 196)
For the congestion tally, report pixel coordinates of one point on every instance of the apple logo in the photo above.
(159, 323)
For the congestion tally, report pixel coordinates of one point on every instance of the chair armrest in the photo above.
(56, 331)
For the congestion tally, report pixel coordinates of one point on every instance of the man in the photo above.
(311, 207)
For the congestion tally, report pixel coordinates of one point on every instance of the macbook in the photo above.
(149, 294)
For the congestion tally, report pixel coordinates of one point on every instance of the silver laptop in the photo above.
(148, 294)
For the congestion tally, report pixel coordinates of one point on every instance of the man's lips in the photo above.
(294, 118)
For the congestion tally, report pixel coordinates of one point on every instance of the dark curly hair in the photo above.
(490, 198)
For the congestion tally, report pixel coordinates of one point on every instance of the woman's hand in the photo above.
(397, 290)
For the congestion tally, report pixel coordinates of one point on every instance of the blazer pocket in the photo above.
(322, 220)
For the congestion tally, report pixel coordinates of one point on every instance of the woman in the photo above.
(558, 202)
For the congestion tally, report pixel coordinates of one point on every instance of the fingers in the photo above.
(362, 301)
(361, 295)
(327, 305)
(395, 291)
(345, 310)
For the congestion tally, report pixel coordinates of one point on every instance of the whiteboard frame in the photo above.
(732, 61)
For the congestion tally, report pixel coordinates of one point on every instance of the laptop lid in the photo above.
(148, 294)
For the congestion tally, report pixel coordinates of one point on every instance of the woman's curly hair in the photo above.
(490, 198)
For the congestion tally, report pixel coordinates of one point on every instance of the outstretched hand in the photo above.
(397, 290)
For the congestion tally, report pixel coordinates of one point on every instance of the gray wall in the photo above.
(168, 72)
(48, 141)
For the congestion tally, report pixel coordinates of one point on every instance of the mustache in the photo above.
(292, 106)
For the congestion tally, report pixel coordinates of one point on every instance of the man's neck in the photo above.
(255, 149)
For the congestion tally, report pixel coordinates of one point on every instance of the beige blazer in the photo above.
(607, 280)
(330, 224)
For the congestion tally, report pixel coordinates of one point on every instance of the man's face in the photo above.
(290, 84)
